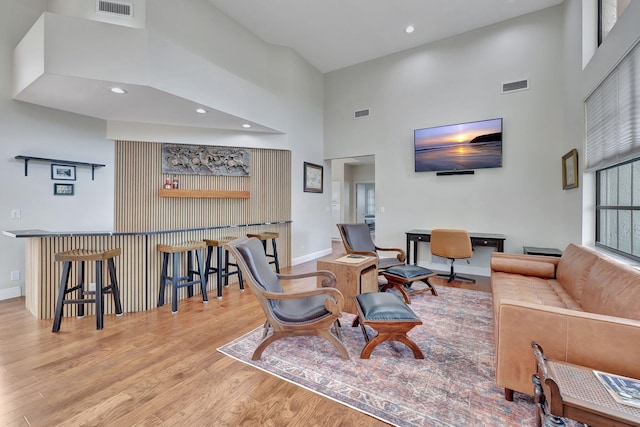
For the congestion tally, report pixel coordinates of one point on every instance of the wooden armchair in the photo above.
(289, 313)
(356, 239)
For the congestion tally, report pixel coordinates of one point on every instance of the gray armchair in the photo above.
(356, 239)
(289, 313)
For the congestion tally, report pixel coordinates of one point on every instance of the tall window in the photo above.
(613, 153)
(608, 13)
(618, 208)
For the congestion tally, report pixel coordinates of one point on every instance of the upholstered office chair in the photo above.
(451, 244)
(356, 239)
(289, 314)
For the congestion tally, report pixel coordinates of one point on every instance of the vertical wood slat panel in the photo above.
(138, 206)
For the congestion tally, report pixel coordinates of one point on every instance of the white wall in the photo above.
(37, 131)
(459, 80)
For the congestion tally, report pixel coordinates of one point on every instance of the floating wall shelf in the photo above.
(205, 194)
(26, 159)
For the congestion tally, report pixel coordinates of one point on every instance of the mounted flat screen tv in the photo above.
(464, 146)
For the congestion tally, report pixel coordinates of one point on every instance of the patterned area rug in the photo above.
(453, 385)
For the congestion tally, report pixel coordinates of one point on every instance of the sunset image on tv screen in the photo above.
(463, 146)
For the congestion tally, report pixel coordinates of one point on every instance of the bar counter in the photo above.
(138, 268)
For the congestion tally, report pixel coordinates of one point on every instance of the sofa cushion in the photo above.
(531, 289)
(612, 289)
(573, 269)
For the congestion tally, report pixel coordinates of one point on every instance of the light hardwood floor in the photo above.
(154, 368)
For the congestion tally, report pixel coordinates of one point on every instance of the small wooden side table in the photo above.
(564, 390)
(356, 275)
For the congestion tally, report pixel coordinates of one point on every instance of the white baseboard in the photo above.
(10, 293)
(311, 257)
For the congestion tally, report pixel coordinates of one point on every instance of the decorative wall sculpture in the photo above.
(205, 160)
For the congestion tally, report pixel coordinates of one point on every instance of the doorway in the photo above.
(366, 204)
(346, 176)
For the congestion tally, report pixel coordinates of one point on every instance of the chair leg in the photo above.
(452, 275)
(99, 297)
(275, 255)
(190, 273)
(64, 279)
(174, 282)
(339, 345)
(203, 276)
(115, 291)
(80, 287)
(163, 278)
(219, 271)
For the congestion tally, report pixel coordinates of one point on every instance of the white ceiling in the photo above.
(330, 34)
(333, 34)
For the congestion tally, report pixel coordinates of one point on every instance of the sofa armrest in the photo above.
(606, 343)
(526, 265)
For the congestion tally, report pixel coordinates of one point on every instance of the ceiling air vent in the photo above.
(515, 86)
(361, 114)
(115, 8)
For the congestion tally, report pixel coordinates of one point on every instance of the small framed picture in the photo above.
(62, 189)
(63, 172)
(313, 178)
(570, 170)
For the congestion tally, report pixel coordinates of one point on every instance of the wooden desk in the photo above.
(353, 278)
(571, 391)
(477, 239)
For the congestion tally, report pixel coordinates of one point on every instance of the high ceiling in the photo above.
(330, 34)
(333, 34)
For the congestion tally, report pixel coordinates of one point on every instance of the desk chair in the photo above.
(452, 244)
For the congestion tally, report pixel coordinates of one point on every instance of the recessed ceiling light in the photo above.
(246, 125)
(409, 29)
(117, 90)
(201, 111)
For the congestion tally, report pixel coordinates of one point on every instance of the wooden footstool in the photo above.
(401, 275)
(389, 316)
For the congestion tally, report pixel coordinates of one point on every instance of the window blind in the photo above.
(613, 116)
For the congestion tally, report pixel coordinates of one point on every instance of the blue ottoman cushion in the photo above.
(384, 306)
(408, 271)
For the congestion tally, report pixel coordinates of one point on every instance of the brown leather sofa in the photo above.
(583, 308)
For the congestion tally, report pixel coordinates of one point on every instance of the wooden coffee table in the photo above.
(571, 391)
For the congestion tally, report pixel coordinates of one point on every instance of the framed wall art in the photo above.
(63, 172)
(62, 189)
(313, 178)
(570, 170)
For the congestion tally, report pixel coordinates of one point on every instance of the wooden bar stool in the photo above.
(81, 256)
(269, 235)
(177, 281)
(221, 270)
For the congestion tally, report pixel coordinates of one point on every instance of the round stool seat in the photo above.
(265, 235)
(182, 247)
(87, 255)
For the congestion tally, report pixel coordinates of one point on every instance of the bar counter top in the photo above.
(45, 233)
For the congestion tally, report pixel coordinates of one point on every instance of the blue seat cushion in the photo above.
(408, 271)
(384, 306)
